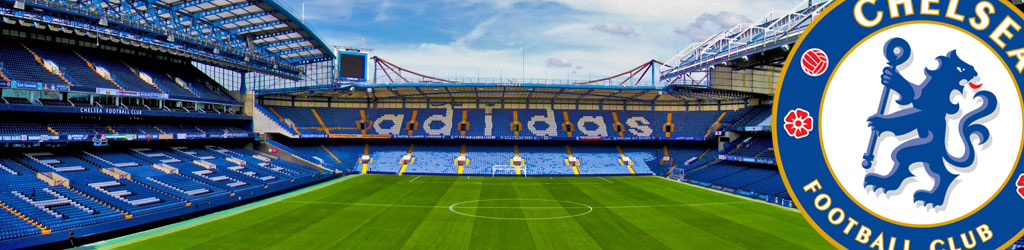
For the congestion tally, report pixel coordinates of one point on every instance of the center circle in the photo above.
(520, 209)
(852, 96)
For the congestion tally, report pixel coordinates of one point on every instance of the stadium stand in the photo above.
(755, 147)
(89, 71)
(434, 158)
(755, 116)
(47, 191)
(118, 126)
(533, 123)
(70, 65)
(20, 64)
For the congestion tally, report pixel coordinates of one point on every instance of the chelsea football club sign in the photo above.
(898, 124)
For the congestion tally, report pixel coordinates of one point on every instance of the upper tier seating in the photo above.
(19, 64)
(120, 71)
(71, 65)
(541, 123)
(756, 147)
(32, 129)
(752, 116)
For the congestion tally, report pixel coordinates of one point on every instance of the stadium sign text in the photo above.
(110, 111)
(934, 162)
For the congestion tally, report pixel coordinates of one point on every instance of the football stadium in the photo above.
(231, 124)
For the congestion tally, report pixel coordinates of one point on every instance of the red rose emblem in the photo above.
(799, 123)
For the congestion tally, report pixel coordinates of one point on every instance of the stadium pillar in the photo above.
(241, 84)
(653, 82)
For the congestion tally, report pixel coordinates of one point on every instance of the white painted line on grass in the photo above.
(495, 207)
(731, 194)
(413, 179)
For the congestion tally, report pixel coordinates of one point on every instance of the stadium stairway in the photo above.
(96, 69)
(136, 77)
(575, 167)
(462, 155)
(515, 149)
(434, 159)
(76, 68)
(14, 58)
(405, 164)
(13, 224)
(644, 157)
(3, 76)
(387, 158)
(598, 160)
(628, 165)
(366, 165)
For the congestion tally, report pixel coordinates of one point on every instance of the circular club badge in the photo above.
(902, 126)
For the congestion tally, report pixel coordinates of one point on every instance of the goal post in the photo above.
(498, 170)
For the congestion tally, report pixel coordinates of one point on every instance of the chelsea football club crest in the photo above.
(898, 124)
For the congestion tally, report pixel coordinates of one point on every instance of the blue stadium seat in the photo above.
(22, 66)
(546, 123)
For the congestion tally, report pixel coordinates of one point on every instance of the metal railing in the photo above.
(775, 30)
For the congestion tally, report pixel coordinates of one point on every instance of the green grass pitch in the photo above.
(434, 212)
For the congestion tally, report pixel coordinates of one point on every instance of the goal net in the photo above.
(509, 170)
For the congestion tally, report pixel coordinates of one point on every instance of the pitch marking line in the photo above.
(606, 207)
(731, 194)
(511, 184)
(172, 228)
(606, 181)
(578, 205)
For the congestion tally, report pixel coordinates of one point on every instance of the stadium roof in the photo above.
(270, 26)
(777, 30)
(246, 35)
(531, 92)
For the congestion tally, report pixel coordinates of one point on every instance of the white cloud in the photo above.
(322, 10)
(478, 31)
(557, 63)
(382, 12)
(671, 10)
(708, 24)
(613, 29)
(610, 37)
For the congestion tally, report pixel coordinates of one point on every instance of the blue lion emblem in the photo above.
(930, 104)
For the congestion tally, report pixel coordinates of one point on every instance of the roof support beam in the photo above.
(215, 11)
(188, 4)
(234, 19)
(247, 29)
(282, 43)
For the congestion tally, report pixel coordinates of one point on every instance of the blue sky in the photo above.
(577, 39)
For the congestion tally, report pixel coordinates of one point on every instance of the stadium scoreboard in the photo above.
(351, 65)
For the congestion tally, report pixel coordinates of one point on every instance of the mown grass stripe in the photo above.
(411, 212)
(161, 231)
